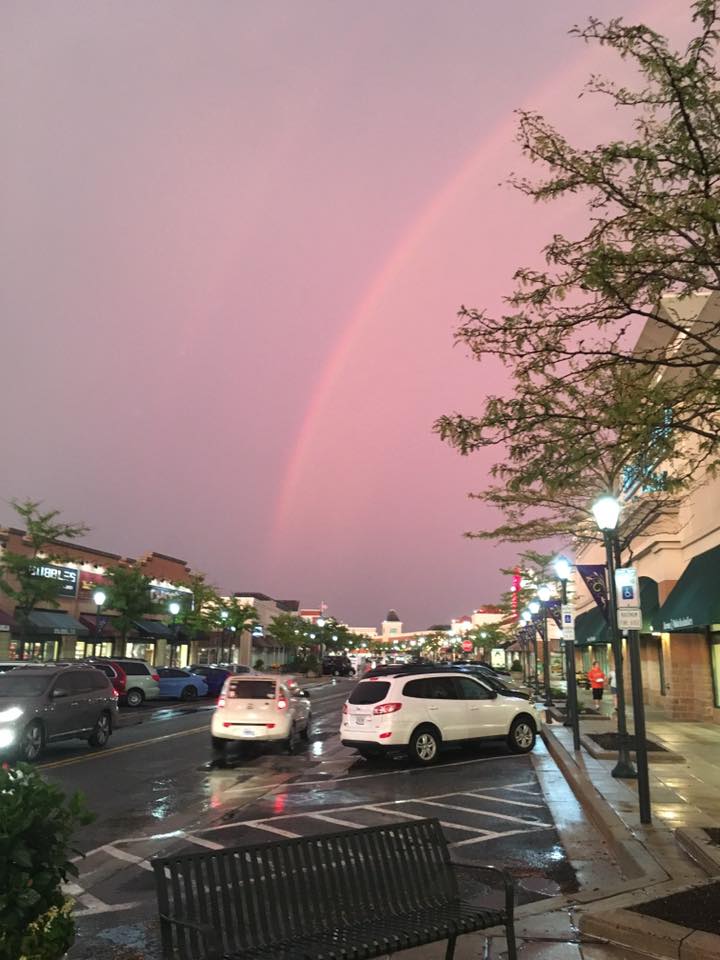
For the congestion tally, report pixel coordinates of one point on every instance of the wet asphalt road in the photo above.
(154, 791)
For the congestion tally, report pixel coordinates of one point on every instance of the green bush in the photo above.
(37, 823)
(259, 664)
(516, 666)
(312, 664)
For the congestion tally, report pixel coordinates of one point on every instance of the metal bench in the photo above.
(350, 895)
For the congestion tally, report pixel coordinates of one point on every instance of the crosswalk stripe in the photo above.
(341, 823)
(258, 825)
(513, 803)
(483, 813)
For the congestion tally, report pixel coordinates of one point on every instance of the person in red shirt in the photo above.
(597, 683)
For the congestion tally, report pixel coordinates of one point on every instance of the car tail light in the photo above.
(156, 677)
(221, 701)
(387, 708)
(345, 708)
(282, 703)
(270, 726)
(384, 736)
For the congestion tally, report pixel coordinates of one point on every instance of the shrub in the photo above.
(312, 664)
(259, 664)
(516, 666)
(37, 822)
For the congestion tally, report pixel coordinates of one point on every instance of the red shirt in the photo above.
(596, 678)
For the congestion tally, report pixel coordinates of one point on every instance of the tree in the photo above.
(129, 596)
(652, 244)
(19, 578)
(200, 612)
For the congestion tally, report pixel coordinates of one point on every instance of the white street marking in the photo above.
(508, 833)
(259, 825)
(128, 857)
(484, 813)
(342, 823)
(513, 803)
(201, 841)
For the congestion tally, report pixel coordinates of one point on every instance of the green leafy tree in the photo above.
(653, 242)
(199, 612)
(18, 571)
(128, 594)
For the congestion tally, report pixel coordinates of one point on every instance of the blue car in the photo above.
(177, 684)
(214, 677)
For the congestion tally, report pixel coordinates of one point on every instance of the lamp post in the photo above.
(526, 618)
(534, 608)
(606, 511)
(223, 616)
(99, 598)
(563, 571)
(544, 594)
(174, 608)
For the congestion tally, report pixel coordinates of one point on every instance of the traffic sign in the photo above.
(467, 645)
(567, 616)
(629, 618)
(628, 592)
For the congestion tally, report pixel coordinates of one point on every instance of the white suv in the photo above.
(417, 712)
(256, 708)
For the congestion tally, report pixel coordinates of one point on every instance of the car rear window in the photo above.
(134, 669)
(251, 689)
(369, 691)
(13, 684)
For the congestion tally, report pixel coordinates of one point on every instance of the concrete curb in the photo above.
(650, 935)
(632, 858)
(698, 845)
(654, 756)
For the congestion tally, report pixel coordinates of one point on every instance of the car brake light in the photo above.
(387, 708)
(384, 736)
(156, 677)
(345, 708)
(221, 701)
(282, 703)
(270, 725)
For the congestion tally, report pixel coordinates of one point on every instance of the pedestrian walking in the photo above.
(612, 680)
(597, 683)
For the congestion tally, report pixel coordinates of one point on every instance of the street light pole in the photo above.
(223, 616)
(99, 599)
(572, 718)
(174, 608)
(544, 594)
(534, 608)
(606, 511)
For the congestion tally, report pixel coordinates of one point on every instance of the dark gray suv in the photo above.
(39, 705)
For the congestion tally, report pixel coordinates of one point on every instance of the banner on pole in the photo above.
(593, 575)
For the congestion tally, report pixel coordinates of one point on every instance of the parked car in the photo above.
(506, 687)
(135, 680)
(179, 684)
(419, 711)
(338, 666)
(259, 708)
(7, 665)
(42, 704)
(214, 677)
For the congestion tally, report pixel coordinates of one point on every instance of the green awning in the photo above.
(649, 602)
(694, 601)
(56, 623)
(591, 628)
(154, 629)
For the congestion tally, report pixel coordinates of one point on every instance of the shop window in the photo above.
(715, 661)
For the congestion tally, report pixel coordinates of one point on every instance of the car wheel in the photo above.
(32, 742)
(521, 738)
(219, 749)
(189, 693)
(101, 731)
(305, 732)
(424, 745)
(135, 697)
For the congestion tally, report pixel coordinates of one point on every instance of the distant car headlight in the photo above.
(6, 738)
(11, 714)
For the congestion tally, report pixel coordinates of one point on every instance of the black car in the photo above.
(337, 667)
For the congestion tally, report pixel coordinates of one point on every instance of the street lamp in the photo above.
(606, 511)
(99, 598)
(224, 614)
(544, 593)
(174, 608)
(563, 571)
(534, 608)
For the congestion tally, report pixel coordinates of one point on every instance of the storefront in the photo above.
(104, 638)
(152, 642)
(592, 640)
(687, 627)
(50, 635)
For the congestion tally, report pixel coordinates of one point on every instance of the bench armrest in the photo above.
(207, 933)
(508, 882)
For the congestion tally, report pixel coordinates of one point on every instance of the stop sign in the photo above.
(467, 645)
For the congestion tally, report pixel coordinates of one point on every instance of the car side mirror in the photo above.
(304, 693)
(59, 692)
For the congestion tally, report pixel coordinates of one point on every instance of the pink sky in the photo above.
(234, 240)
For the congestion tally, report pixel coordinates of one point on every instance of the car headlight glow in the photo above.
(12, 713)
(6, 738)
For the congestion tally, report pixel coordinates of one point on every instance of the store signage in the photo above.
(164, 593)
(629, 618)
(66, 578)
(91, 581)
(4, 628)
(568, 622)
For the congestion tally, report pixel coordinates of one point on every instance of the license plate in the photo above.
(248, 732)
(359, 721)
